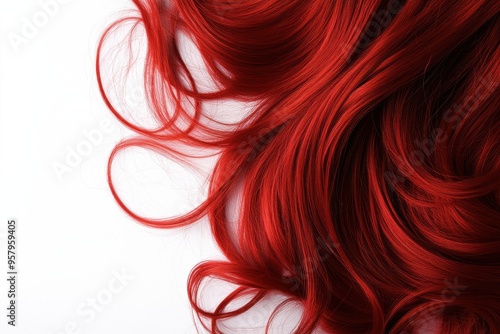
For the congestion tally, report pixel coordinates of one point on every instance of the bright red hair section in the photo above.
(370, 168)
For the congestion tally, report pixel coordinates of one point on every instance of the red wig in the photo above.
(369, 168)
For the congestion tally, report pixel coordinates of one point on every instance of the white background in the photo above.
(73, 239)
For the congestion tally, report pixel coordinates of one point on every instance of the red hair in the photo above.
(370, 165)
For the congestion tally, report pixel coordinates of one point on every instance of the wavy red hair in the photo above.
(370, 165)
